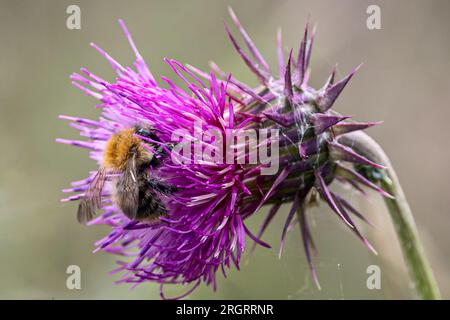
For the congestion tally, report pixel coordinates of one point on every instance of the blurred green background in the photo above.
(404, 82)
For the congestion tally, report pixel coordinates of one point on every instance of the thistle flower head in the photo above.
(204, 229)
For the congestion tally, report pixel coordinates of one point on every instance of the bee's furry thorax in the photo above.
(121, 146)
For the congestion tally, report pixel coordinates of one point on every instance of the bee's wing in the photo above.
(127, 191)
(92, 199)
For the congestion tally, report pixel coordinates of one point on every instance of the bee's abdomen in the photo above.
(150, 206)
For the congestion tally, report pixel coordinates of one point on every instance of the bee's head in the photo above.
(146, 132)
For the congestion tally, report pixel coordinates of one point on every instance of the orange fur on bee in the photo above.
(119, 148)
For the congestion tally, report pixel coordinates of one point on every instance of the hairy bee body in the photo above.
(135, 191)
(121, 147)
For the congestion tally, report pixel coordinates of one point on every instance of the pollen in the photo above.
(118, 149)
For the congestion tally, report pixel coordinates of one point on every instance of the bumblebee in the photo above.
(135, 191)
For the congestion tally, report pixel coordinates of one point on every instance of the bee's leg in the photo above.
(155, 162)
(159, 152)
(161, 187)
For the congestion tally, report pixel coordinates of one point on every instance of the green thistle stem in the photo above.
(402, 218)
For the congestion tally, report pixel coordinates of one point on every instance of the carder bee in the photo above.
(135, 191)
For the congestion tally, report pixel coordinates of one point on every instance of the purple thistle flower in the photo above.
(205, 230)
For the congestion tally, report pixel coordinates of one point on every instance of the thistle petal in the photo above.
(140, 64)
(261, 75)
(224, 75)
(248, 41)
(256, 240)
